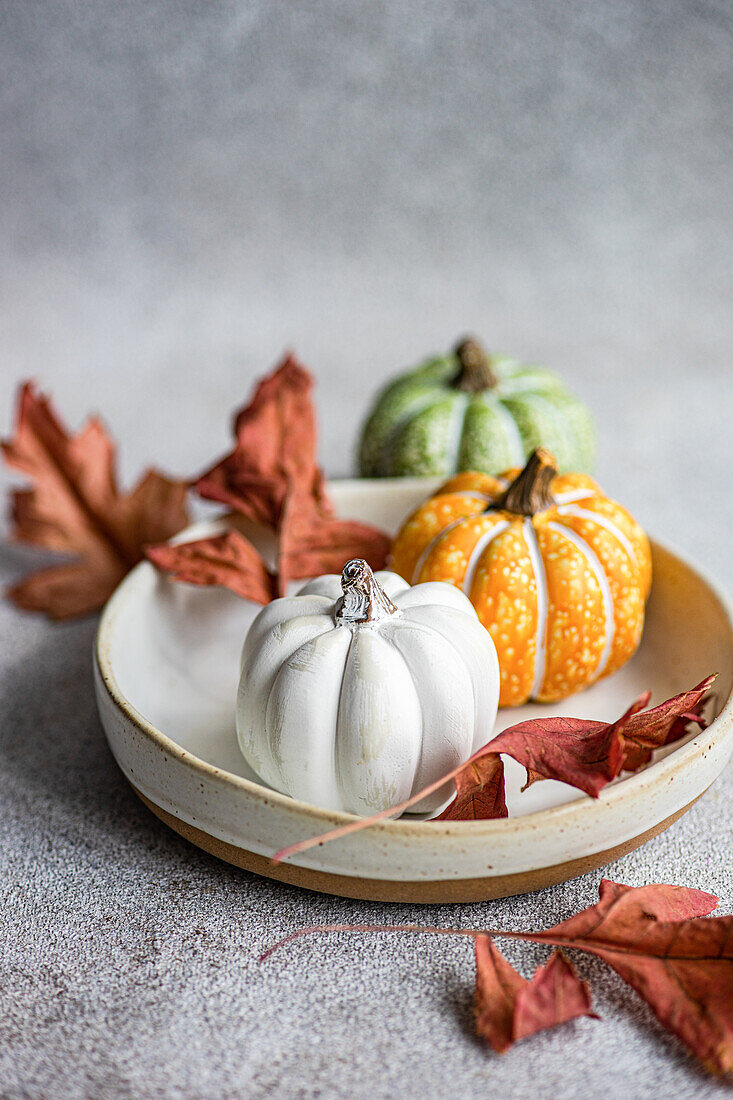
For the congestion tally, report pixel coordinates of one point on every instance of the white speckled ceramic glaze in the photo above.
(167, 658)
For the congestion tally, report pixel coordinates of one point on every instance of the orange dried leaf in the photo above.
(66, 591)
(271, 476)
(229, 560)
(74, 506)
(275, 446)
(312, 542)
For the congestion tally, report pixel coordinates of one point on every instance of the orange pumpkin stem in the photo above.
(475, 373)
(530, 492)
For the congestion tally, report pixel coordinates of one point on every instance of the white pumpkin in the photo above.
(361, 690)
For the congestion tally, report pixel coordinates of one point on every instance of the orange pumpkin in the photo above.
(558, 573)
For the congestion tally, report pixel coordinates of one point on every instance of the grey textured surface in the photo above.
(187, 188)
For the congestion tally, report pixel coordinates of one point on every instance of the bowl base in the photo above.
(423, 892)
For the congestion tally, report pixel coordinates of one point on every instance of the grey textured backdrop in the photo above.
(187, 188)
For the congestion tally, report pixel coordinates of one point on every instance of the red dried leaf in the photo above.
(229, 560)
(585, 754)
(480, 791)
(152, 512)
(660, 901)
(507, 1007)
(657, 940)
(497, 987)
(653, 936)
(274, 450)
(663, 724)
(554, 996)
(74, 506)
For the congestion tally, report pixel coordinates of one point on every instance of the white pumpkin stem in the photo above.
(364, 600)
(476, 373)
(531, 490)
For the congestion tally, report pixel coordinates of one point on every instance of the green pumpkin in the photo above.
(472, 411)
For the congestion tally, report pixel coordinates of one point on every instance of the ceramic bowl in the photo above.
(166, 668)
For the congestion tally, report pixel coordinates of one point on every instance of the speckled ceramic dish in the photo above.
(166, 668)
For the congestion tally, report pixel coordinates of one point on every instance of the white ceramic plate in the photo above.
(166, 676)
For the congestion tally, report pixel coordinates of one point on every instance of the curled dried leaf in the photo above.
(498, 985)
(274, 449)
(228, 560)
(554, 996)
(664, 724)
(507, 1007)
(480, 791)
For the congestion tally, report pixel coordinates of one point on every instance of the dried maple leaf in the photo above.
(74, 506)
(271, 476)
(507, 1007)
(583, 753)
(495, 997)
(554, 996)
(587, 754)
(657, 940)
(229, 560)
(274, 451)
(655, 937)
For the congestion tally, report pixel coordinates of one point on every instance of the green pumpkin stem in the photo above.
(530, 493)
(475, 371)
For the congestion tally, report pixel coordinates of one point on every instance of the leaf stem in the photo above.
(576, 943)
(312, 929)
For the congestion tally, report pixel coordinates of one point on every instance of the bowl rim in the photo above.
(630, 787)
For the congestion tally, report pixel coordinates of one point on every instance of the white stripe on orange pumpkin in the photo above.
(433, 543)
(543, 605)
(602, 521)
(476, 554)
(572, 495)
(597, 569)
